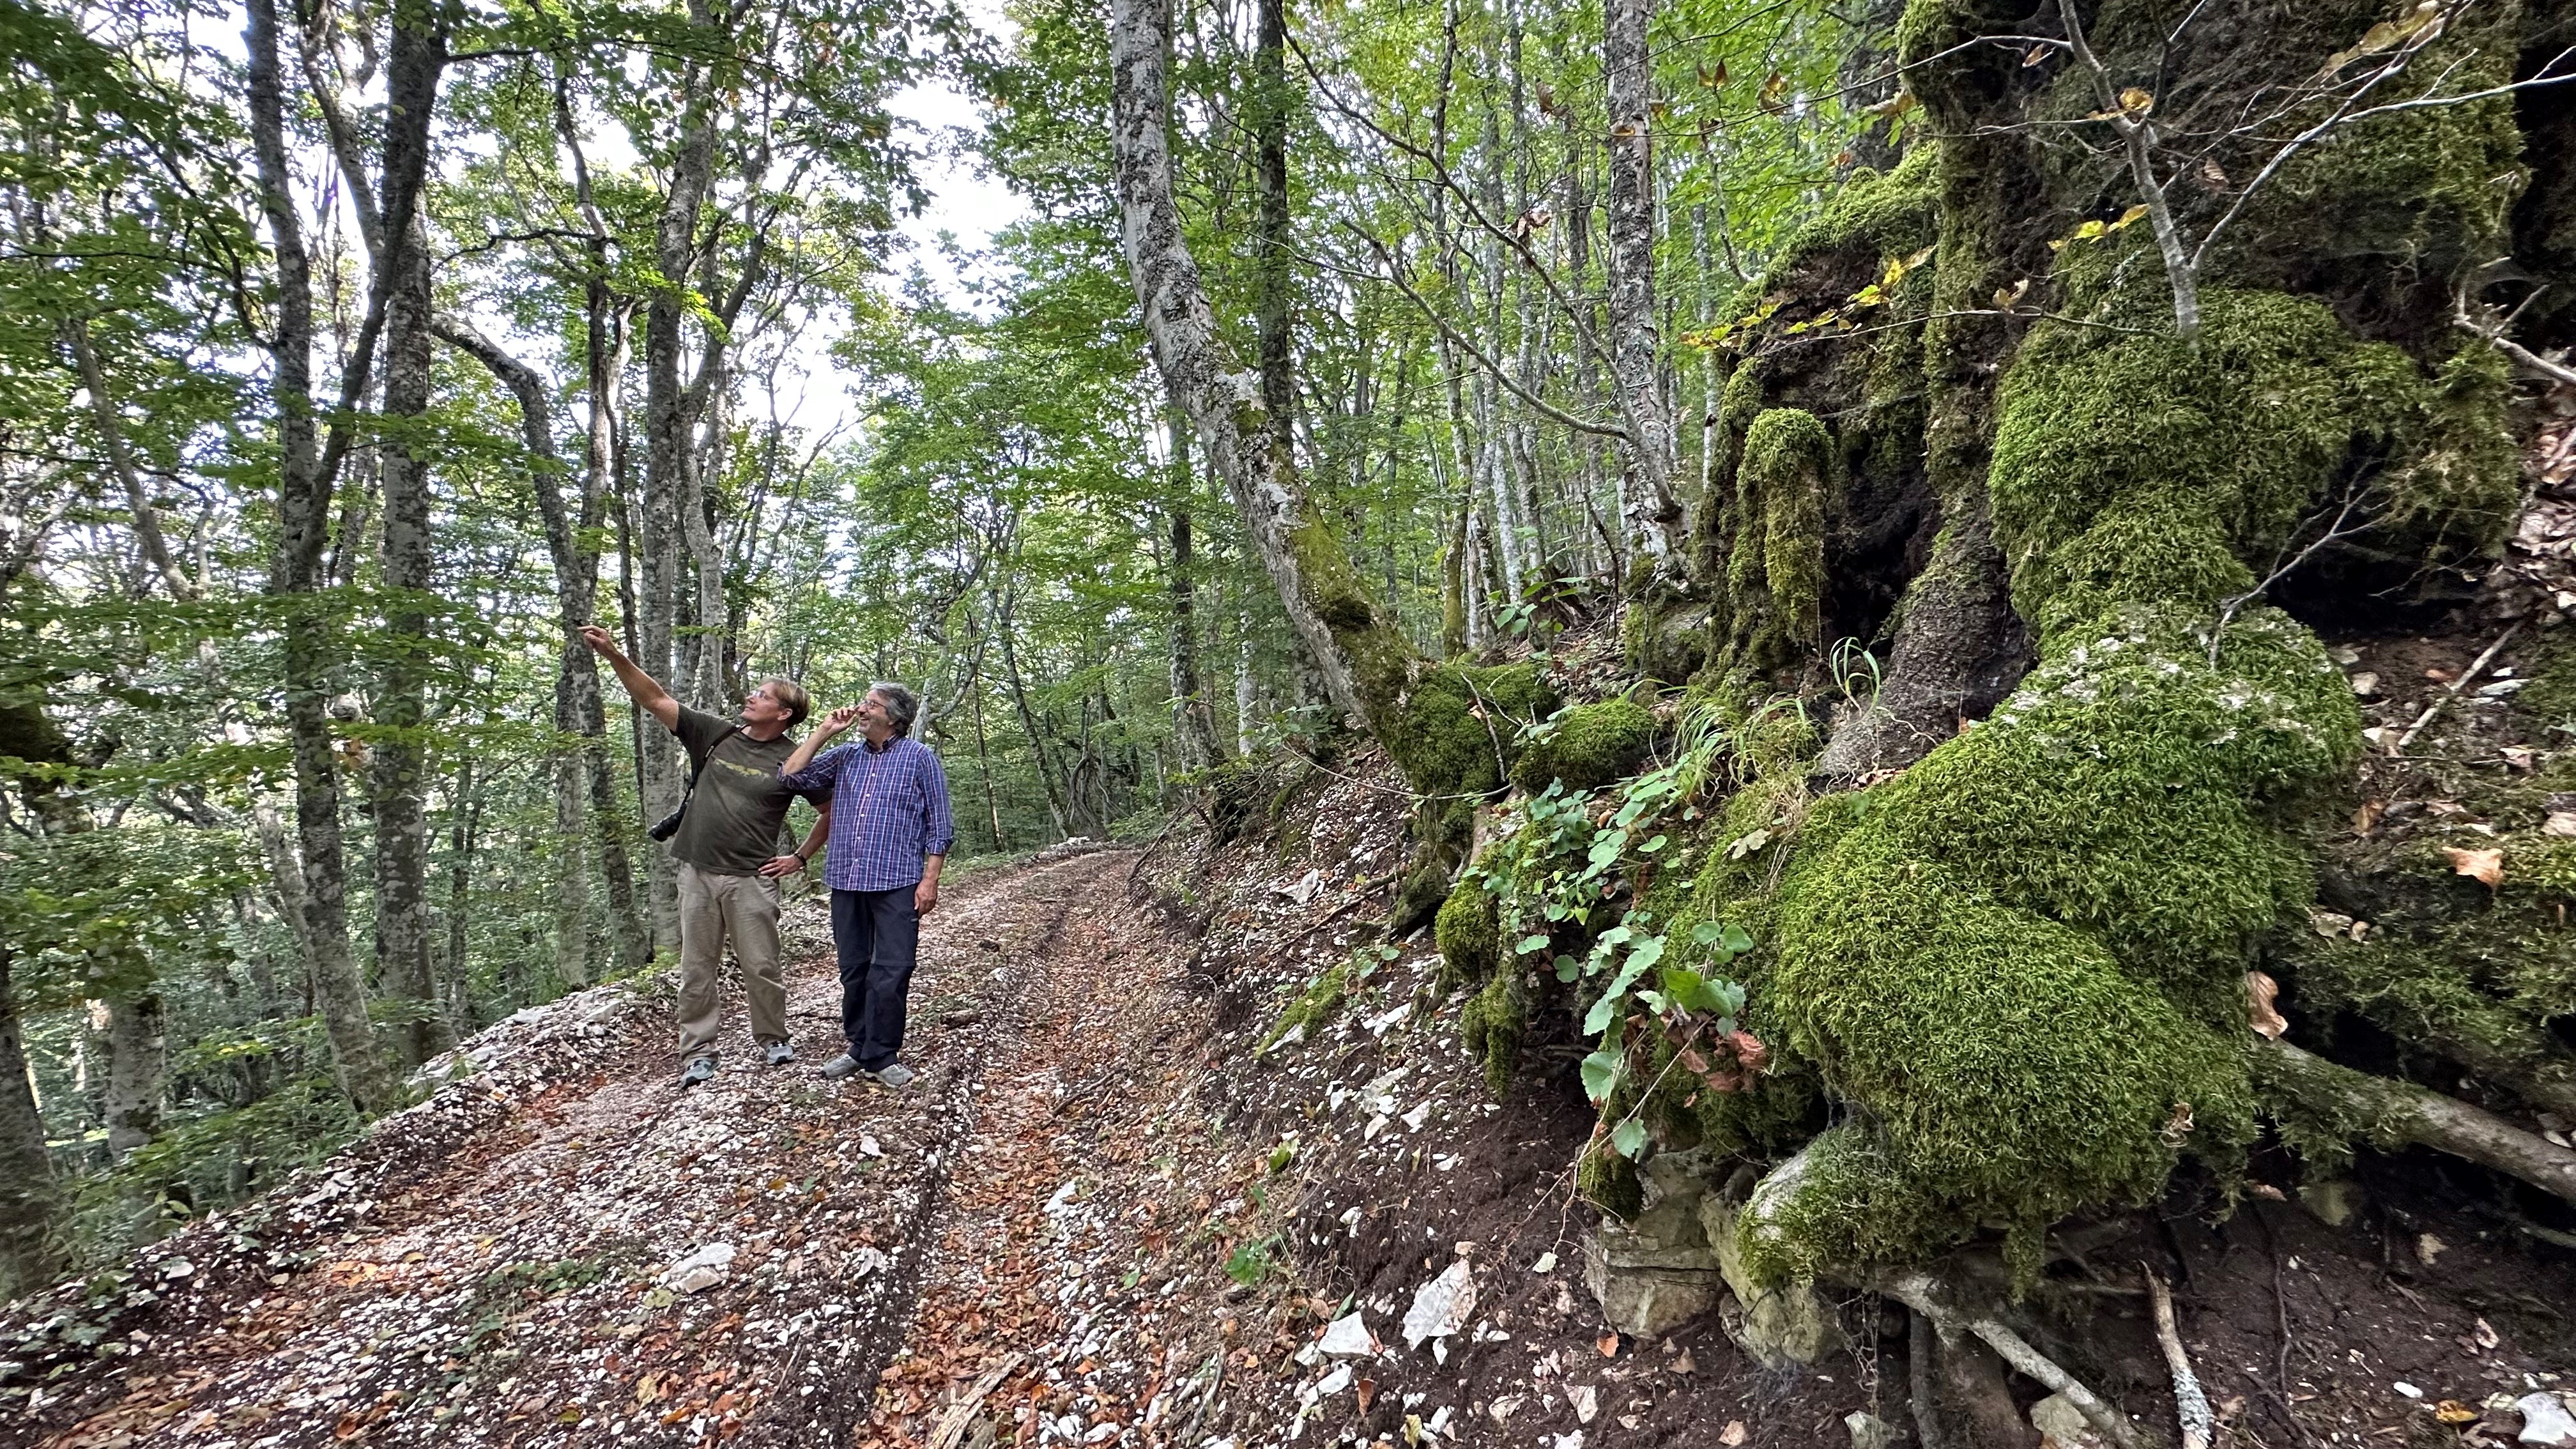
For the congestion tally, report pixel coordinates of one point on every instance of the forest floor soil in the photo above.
(1114, 1212)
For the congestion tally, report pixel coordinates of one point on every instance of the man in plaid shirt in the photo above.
(891, 830)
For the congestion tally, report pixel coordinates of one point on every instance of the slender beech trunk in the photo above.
(1193, 725)
(396, 770)
(1577, 202)
(30, 1198)
(462, 832)
(984, 767)
(1247, 689)
(1365, 662)
(1653, 514)
(304, 511)
(668, 462)
(138, 1063)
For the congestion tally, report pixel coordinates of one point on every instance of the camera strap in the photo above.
(691, 793)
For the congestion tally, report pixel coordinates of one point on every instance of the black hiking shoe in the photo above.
(701, 1069)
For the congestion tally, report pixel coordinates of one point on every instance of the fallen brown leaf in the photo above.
(1609, 1345)
(2486, 867)
(2260, 992)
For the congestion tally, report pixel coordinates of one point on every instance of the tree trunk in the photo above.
(1365, 663)
(1653, 514)
(1193, 726)
(304, 511)
(462, 831)
(396, 770)
(668, 461)
(138, 1067)
(984, 767)
(30, 1255)
(1270, 226)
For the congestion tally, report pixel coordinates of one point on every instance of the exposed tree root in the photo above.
(1922, 1381)
(2191, 1406)
(2391, 1113)
(1932, 1298)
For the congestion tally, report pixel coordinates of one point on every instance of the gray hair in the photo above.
(901, 704)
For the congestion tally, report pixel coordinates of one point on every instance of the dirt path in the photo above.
(525, 1286)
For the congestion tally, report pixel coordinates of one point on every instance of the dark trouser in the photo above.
(876, 932)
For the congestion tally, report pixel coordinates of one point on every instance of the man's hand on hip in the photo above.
(925, 898)
(781, 866)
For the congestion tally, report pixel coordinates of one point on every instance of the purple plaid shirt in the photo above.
(889, 810)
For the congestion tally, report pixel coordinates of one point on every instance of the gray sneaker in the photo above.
(701, 1069)
(841, 1066)
(779, 1054)
(895, 1075)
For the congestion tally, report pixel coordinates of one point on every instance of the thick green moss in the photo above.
(1775, 575)
(1608, 1181)
(1313, 1007)
(1468, 929)
(1493, 1025)
(2132, 471)
(1590, 746)
(1456, 727)
(1842, 1203)
(2022, 959)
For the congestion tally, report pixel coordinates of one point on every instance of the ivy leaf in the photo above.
(1567, 968)
(1629, 1138)
(1535, 941)
(1651, 846)
(1706, 933)
(1733, 941)
(1600, 1075)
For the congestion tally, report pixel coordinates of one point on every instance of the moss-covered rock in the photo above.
(1588, 746)
(1313, 1007)
(1495, 1022)
(1775, 573)
(1468, 928)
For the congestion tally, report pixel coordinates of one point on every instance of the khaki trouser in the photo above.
(716, 909)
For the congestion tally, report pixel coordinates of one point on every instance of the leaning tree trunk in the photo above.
(1365, 663)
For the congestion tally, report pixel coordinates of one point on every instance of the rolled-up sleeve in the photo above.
(939, 825)
(818, 774)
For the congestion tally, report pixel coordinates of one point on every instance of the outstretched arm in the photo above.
(646, 691)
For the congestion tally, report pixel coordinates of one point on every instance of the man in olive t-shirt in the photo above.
(726, 849)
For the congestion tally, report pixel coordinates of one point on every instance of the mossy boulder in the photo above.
(1589, 746)
(2138, 471)
(1469, 930)
(1454, 732)
(1775, 573)
(1495, 1022)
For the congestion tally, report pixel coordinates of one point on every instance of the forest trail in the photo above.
(531, 1286)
